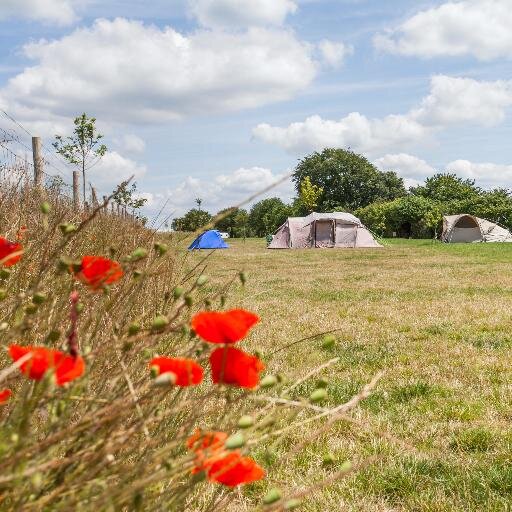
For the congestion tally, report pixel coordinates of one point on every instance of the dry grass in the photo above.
(437, 319)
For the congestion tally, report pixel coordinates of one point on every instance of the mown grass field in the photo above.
(437, 319)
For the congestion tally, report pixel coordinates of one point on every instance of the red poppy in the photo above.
(187, 371)
(66, 367)
(8, 250)
(224, 327)
(234, 469)
(232, 366)
(5, 394)
(206, 446)
(96, 271)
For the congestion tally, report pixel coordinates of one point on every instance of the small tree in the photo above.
(309, 194)
(125, 196)
(83, 148)
(192, 220)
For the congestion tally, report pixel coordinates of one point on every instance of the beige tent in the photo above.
(322, 230)
(468, 228)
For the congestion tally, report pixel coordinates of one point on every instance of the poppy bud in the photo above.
(165, 379)
(292, 504)
(31, 309)
(79, 307)
(67, 228)
(243, 278)
(272, 496)
(3, 293)
(328, 460)
(39, 298)
(159, 323)
(207, 303)
(201, 281)
(318, 395)
(235, 441)
(268, 381)
(329, 341)
(177, 292)
(53, 336)
(189, 300)
(133, 328)
(138, 254)
(161, 249)
(245, 421)
(222, 301)
(4, 273)
(45, 208)
(322, 383)
(36, 480)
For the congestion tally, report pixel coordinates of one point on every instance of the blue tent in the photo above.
(209, 240)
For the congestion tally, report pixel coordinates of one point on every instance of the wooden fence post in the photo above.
(76, 191)
(94, 197)
(38, 161)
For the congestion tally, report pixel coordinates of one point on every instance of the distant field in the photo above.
(438, 319)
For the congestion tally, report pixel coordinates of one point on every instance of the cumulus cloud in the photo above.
(334, 53)
(451, 101)
(470, 27)
(130, 143)
(61, 12)
(224, 190)
(112, 170)
(241, 13)
(141, 73)
(409, 167)
(486, 174)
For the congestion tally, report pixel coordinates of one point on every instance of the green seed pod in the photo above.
(222, 301)
(67, 228)
(79, 307)
(201, 281)
(161, 249)
(138, 254)
(346, 466)
(272, 496)
(207, 303)
(4, 273)
(159, 323)
(177, 292)
(31, 309)
(243, 277)
(268, 381)
(322, 383)
(292, 504)
(39, 298)
(318, 395)
(328, 341)
(61, 408)
(133, 328)
(45, 208)
(3, 293)
(246, 421)
(189, 300)
(235, 441)
(53, 336)
(328, 460)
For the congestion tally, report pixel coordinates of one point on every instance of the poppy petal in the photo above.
(96, 271)
(233, 469)
(5, 394)
(187, 371)
(233, 366)
(7, 249)
(224, 327)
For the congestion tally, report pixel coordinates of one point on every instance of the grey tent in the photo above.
(322, 230)
(466, 228)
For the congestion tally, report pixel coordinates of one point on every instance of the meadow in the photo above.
(436, 319)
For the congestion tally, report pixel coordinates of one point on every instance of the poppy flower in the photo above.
(234, 469)
(96, 271)
(224, 326)
(5, 394)
(232, 366)
(187, 371)
(8, 250)
(66, 367)
(207, 446)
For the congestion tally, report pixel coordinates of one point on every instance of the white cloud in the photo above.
(334, 53)
(224, 190)
(451, 101)
(130, 143)
(486, 174)
(61, 12)
(241, 13)
(470, 27)
(411, 168)
(129, 71)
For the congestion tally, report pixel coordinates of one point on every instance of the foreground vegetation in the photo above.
(436, 318)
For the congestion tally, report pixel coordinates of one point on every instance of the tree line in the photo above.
(341, 180)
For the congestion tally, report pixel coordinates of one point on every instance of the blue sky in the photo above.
(219, 98)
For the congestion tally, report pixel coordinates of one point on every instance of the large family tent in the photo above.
(209, 240)
(468, 228)
(322, 230)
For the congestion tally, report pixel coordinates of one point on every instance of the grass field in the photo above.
(438, 320)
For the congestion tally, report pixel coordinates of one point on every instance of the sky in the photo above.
(218, 99)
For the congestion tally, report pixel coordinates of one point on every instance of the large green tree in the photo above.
(267, 215)
(447, 187)
(83, 148)
(194, 219)
(348, 180)
(234, 221)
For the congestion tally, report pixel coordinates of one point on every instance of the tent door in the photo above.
(324, 233)
(346, 235)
